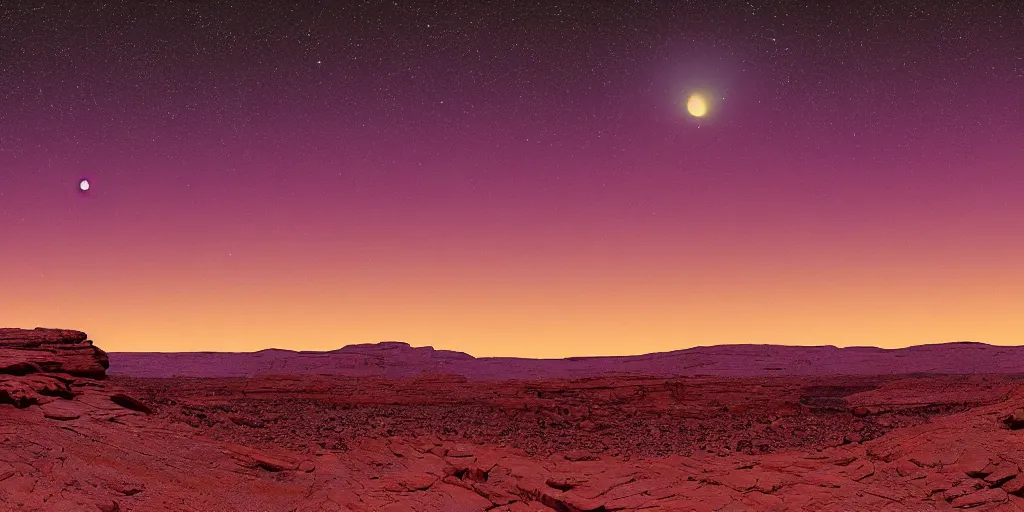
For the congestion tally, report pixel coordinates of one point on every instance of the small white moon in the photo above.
(83, 185)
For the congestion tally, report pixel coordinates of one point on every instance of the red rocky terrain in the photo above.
(74, 439)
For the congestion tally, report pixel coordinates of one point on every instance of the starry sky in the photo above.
(512, 178)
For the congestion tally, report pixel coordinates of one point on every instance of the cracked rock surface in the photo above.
(74, 441)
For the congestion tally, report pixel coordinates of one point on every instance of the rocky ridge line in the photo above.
(399, 359)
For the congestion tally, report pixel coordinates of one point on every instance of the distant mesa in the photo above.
(24, 352)
(399, 359)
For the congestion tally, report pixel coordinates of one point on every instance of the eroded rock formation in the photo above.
(50, 350)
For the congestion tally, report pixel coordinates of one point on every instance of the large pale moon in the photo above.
(697, 105)
(83, 185)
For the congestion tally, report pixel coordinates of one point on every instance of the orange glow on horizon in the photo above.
(582, 305)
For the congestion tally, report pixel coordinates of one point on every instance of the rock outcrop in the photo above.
(52, 351)
(42, 366)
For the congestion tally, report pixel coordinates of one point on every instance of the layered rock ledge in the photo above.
(24, 351)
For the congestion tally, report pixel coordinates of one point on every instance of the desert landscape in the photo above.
(389, 427)
(515, 256)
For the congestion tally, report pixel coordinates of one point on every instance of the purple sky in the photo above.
(512, 178)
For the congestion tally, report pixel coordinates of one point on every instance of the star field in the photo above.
(514, 178)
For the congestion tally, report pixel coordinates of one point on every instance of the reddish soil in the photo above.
(630, 416)
(73, 440)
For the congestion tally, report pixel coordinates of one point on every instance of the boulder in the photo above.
(1015, 420)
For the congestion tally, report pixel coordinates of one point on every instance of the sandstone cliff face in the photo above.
(41, 366)
(50, 350)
